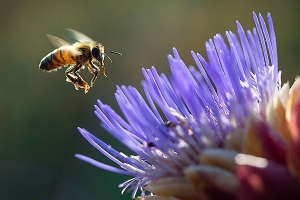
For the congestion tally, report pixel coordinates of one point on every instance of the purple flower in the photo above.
(177, 132)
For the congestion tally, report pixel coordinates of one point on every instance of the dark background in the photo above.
(40, 111)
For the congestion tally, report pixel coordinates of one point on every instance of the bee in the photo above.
(85, 52)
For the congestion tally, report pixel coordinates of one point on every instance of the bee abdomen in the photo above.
(57, 58)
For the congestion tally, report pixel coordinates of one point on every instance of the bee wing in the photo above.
(57, 42)
(76, 36)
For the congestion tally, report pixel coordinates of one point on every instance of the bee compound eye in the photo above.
(95, 51)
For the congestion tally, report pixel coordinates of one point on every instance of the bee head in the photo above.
(98, 55)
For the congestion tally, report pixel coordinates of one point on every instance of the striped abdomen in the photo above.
(58, 58)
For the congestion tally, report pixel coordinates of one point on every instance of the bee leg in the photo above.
(104, 70)
(81, 82)
(95, 70)
(76, 79)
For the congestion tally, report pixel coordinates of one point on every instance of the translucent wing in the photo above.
(56, 41)
(76, 36)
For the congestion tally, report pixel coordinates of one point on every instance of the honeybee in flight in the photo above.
(83, 53)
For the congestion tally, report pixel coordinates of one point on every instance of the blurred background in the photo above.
(40, 112)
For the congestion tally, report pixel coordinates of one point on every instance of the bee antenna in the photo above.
(112, 52)
(115, 53)
(108, 57)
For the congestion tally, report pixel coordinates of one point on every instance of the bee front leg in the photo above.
(76, 79)
(95, 70)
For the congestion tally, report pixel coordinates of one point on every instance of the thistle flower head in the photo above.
(193, 110)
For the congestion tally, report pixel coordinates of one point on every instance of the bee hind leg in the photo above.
(95, 70)
(76, 79)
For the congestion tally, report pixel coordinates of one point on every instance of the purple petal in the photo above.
(102, 165)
